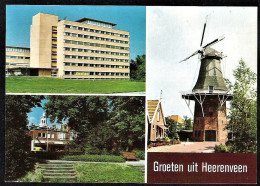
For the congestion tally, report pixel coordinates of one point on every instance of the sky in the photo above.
(127, 18)
(174, 33)
(36, 113)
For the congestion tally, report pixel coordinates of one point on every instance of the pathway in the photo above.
(55, 170)
(187, 147)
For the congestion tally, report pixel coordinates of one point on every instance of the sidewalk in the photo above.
(188, 147)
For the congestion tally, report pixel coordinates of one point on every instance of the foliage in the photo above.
(188, 123)
(222, 148)
(127, 119)
(105, 125)
(56, 85)
(243, 111)
(172, 127)
(107, 173)
(33, 176)
(95, 158)
(18, 155)
(140, 154)
(137, 68)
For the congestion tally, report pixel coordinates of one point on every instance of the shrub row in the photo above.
(94, 158)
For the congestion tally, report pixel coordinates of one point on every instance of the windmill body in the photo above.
(210, 95)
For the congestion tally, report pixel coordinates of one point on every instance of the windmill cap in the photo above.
(212, 52)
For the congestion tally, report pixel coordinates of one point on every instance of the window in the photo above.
(39, 134)
(61, 136)
(43, 135)
(67, 41)
(80, 64)
(67, 26)
(49, 136)
(85, 64)
(67, 73)
(52, 136)
(158, 116)
(67, 64)
(211, 88)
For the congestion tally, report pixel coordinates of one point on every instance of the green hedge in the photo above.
(95, 158)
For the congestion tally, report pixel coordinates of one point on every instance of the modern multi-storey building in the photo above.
(82, 49)
(17, 57)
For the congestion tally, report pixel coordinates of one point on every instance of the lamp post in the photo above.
(47, 147)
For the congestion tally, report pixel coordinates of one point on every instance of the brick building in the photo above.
(50, 138)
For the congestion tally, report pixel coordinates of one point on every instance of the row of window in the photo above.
(43, 135)
(98, 78)
(95, 44)
(17, 57)
(80, 73)
(94, 65)
(94, 37)
(18, 64)
(17, 50)
(94, 58)
(95, 31)
(95, 51)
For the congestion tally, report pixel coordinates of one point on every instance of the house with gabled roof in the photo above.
(156, 120)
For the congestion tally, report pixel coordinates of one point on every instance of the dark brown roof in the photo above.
(85, 19)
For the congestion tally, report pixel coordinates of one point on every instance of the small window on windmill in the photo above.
(211, 88)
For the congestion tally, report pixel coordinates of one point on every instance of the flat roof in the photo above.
(17, 47)
(86, 19)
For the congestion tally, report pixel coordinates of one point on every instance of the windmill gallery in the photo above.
(210, 95)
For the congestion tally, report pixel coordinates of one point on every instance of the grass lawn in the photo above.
(107, 173)
(55, 85)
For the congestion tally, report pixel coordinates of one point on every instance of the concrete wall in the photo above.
(41, 34)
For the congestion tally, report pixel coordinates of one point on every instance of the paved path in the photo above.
(193, 147)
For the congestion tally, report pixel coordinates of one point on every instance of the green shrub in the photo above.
(94, 158)
(140, 154)
(222, 148)
(33, 176)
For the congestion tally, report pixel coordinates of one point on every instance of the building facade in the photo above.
(17, 58)
(50, 138)
(82, 49)
(156, 121)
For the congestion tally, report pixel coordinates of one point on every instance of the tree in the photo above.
(18, 156)
(83, 113)
(104, 124)
(172, 127)
(243, 111)
(127, 120)
(188, 123)
(137, 68)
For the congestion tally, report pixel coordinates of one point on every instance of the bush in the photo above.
(33, 176)
(222, 149)
(95, 158)
(140, 154)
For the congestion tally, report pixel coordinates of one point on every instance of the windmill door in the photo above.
(210, 135)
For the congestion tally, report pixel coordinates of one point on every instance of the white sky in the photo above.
(174, 33)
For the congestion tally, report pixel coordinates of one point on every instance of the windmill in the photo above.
(210, 94)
